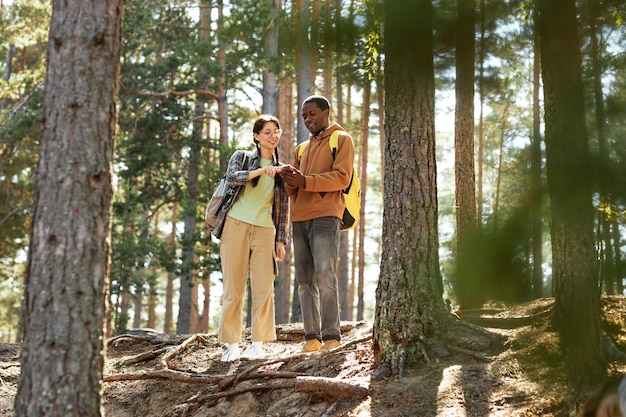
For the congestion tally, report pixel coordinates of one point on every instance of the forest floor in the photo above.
(156, 375)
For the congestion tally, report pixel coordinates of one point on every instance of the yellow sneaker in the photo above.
(330, 345)
(311, 345)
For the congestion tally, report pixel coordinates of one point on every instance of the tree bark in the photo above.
(577, 295)
(67, 272)
(469, 291)
(536, 187)
(409, 293)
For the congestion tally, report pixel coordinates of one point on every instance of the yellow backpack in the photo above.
(352, 193)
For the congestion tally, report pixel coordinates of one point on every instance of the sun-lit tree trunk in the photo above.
(496, 200)
(410, 243)
(362, 173)
(282, 291)
(465, 179)
(482, 52)
(270, 44)
(67, 271)
(314, 35)
(168, 321)
(536, 187)
(188, 300)
(222, 103)
(303, 66)
(619, 264)
(577, 297)
(304, 89)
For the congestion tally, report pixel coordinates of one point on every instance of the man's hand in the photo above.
(293, 177)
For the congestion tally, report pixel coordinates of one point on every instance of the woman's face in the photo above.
(268, 136)
(609, 407)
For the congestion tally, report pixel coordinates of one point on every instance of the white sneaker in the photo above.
(232, 353)
(255, 351)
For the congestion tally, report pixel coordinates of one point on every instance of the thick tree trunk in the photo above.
(64, 307)
(409, 292)
(577, 295)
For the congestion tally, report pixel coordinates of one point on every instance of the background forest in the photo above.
(194, 74)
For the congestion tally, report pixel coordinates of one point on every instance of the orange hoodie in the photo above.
(325, 177)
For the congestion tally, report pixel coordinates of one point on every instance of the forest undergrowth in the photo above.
(149, 374)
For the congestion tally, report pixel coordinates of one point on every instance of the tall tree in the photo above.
(61, 357)
(465, 189)
(405, 323)
(536, 182)
(577, 297)
(270, 45)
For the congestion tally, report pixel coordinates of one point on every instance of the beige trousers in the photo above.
(246, 247)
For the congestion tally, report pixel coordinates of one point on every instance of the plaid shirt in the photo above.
(236, 177)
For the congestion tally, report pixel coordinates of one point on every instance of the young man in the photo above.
(314, 184)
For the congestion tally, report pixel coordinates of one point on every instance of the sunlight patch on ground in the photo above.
(450, 391)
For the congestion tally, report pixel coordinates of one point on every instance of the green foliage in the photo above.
(23, 31)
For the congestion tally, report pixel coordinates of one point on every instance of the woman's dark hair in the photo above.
(610, 386)
(256, 128)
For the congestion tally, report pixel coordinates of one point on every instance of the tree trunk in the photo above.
(577, 296)
(302, 62)
(282, 290)
(607, 270)
(536, 175)
(362, 173)
(67, 271)
(465, 183)
(168, 321)
(270, 44)
(409, 292)
(482, 53)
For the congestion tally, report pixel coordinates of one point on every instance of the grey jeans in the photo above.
(316, 248)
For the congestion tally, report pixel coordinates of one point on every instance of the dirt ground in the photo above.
(149, 374)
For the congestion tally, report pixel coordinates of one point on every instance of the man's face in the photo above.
(315, 119)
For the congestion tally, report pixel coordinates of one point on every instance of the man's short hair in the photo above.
(321, 102)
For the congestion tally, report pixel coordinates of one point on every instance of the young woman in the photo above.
(253, 234)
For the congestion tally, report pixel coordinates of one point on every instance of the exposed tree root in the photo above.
(262, 376)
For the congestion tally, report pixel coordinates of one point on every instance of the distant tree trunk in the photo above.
(327, 73)
(314, 34)
(302, 64)
(469, 288)
(168, 321)
(362, 173)
(222, 92)
(503, 129)
(67, 271)
(304, 89)
(270, 44)
(482, 52)
(137, 302)
(188, 304)
(536, 175)
(577, 296)
(619, 264)
(607, 270)
(410, 261)
(189, 241)
(282, 290)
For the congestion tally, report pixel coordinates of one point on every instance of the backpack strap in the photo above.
(333, 143)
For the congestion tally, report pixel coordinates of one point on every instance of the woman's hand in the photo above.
(280, 251)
